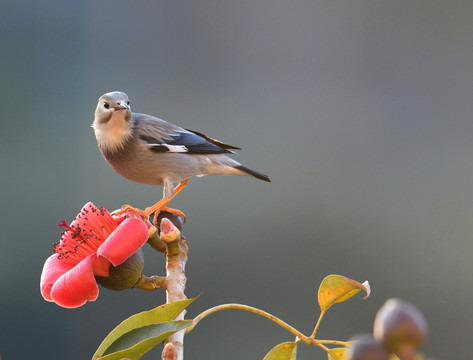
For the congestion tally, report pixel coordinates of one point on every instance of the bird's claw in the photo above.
(126, 208)
(145, 214)
(169, 210)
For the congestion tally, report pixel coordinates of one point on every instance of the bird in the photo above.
(149, 150)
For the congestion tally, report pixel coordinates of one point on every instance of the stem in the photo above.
(149, 283)
(334, 342)
(327, 350)
(248, 308)
(175, 282)
(257, 311)
(321, 316)
(308, 340)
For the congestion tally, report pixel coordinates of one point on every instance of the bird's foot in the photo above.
(126, 208)
(145, 214)
(165, 209)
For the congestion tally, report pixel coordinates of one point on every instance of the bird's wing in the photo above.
(161, 136)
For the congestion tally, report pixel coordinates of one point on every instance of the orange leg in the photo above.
(161, 204)
(158, 207)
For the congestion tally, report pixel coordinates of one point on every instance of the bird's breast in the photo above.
(114, 133)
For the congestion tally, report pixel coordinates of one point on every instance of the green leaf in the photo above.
(135, 343)
(337, 288)
(284, 351)
(337, 354)
(163, 313)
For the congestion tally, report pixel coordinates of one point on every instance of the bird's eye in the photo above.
(128, 102)
(106, 105)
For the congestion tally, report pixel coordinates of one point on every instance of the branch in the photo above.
(175, 253)
(299, 336)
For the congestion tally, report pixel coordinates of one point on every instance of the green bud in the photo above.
(125, 275)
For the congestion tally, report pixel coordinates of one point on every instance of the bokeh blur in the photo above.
(360, 111)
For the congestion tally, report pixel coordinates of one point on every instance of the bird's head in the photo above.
(109, 103)
(113, 120)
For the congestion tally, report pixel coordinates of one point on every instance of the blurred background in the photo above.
(360, 112)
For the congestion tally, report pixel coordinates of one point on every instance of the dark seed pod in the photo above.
(400, 327)
(125, 275)
(365, 347)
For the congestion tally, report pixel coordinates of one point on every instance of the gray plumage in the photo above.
(152, 151)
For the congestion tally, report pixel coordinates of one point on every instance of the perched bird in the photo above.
(152, 151)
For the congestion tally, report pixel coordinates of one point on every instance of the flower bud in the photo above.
(400, 327)
(125, 275)
(365, 347)
(175, 219)
(154, 241)
(169, 231)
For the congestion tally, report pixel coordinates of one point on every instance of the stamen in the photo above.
(63, 223)
(86, 233)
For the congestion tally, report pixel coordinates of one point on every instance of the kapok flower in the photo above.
(93, 241)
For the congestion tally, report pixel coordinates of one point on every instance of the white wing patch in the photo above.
(176, 148)
(171, 148)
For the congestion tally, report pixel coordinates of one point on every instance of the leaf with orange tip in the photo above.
(336, 288)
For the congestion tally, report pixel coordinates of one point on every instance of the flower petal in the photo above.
(76, 286)
(124, 241)
(100, 266)
(53, 269)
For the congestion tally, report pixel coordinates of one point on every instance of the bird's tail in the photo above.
(254, 173)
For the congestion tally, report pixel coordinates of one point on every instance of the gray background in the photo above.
(360, 111)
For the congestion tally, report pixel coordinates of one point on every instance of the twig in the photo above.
(175, 281)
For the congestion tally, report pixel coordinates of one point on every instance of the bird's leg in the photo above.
(156, 208)
(126, 208)
(161, 205)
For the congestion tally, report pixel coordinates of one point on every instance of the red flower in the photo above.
(93, 241)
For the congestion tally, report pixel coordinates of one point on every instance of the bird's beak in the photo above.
(121, 106)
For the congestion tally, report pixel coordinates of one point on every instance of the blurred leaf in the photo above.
(159, 314)
(337, 354)
(284, 351)
(135, 343)
(337, 288)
